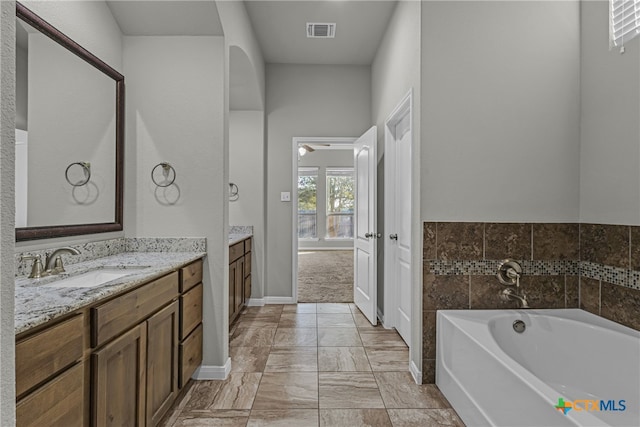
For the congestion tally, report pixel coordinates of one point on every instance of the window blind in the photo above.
(624, 21)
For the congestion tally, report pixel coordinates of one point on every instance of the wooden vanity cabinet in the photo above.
(190, 331)
(239, 277)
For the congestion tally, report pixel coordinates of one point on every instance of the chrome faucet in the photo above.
(53, 263)
(510, 294)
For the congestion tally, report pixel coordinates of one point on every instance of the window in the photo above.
(340, 203)
(624, 21)
(307, 203)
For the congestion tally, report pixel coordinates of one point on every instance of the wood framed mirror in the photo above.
(87, 131)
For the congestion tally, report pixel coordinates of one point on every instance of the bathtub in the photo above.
(495, 376)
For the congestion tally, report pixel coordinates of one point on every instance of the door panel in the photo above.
(365, 162)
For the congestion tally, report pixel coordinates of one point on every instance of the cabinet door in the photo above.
(119, 378)
(239, 285)
(162, 362)
(232, 291)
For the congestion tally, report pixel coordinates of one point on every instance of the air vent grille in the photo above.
(319, 30)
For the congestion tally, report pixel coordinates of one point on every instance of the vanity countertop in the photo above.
(238, 237)
(36, 303)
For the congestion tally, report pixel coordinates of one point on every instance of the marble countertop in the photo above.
(238, 237)
(36, 303)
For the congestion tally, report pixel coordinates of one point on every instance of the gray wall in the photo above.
(175, 113)
(7, 209)
(312, 101)
(323, 159)
(22, 100)
(500, 111)
(246, 170)
(610, 135)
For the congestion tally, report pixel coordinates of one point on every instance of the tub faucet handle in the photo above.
(509, 273)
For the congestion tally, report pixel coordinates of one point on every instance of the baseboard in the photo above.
(330, 248)
(279, 300)
(255, 302)
(212, 372)
(415, 373)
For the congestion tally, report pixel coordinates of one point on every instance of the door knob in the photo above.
(368, 235)
(393, 236)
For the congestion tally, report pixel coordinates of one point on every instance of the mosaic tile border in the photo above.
(613, 275)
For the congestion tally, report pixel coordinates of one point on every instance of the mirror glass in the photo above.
(68, 143)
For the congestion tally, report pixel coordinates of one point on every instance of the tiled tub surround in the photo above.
(594, 267)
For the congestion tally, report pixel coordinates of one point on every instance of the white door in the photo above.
(398, 221)
(365, 234)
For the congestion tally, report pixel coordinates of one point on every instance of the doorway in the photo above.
(323, 209)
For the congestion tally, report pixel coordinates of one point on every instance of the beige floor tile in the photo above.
(381, 338)
(269, 308)
(424, 418)
(296, 337)
(342, 359)
(236, 392)
(284, 418)
(176, 409)
(253, 337)
(388, 358)
(336, 321)
(288, 390)
(292, 359)
(339, 337)
(221, 418)
(248, 359)
(354, 417)
(334, 308)
(348, 390)
(257, 321)
(363, 323)
(300, 308)
(400, 391)
(297, 320)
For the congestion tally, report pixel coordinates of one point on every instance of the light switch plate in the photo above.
(285, 196)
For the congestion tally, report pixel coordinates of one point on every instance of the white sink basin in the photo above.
(94, 278)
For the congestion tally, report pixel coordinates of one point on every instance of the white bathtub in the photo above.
(495, 376)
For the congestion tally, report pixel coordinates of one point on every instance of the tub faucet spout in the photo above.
(510, 294)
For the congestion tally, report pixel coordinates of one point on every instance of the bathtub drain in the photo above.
(519, 326)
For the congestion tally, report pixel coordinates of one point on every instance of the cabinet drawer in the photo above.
(236, 251)
(190, 275)
(247, 245)
(60, 402)
(48, 352)
(116, 316)
(190, 355)
(247, 264)
(191, 310)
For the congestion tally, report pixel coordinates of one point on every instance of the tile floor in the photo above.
(313, 365)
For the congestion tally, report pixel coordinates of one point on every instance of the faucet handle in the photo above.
(58, 267)
(37, 270)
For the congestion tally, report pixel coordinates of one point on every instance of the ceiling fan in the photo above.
(306, 148)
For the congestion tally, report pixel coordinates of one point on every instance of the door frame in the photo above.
(296, 142)
(405, 106)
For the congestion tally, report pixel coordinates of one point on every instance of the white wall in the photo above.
(246, 170)
(7, 150)
(175, 114)
(312, 101)
(500, 111)
(323, 159)
(610, 133)
(22, 100)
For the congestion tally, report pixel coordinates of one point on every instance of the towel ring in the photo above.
(86, 167)
(166, 170)
(233, 192)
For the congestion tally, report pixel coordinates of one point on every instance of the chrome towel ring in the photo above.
(167, 170)
(86, 168)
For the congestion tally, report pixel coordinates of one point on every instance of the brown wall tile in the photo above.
(445, 292)
(635, 248)
(507, 241)
(485, 294)
(605, 244)
(572, 289)
(429, 334)
(460, 240)
(544, 291)
(621, 305)
(556, 242)
(590, 295)
(429, 240)
(428, 371)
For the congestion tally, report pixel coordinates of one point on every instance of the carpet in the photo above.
(325, 276)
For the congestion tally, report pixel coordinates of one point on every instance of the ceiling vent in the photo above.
(317, 30)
